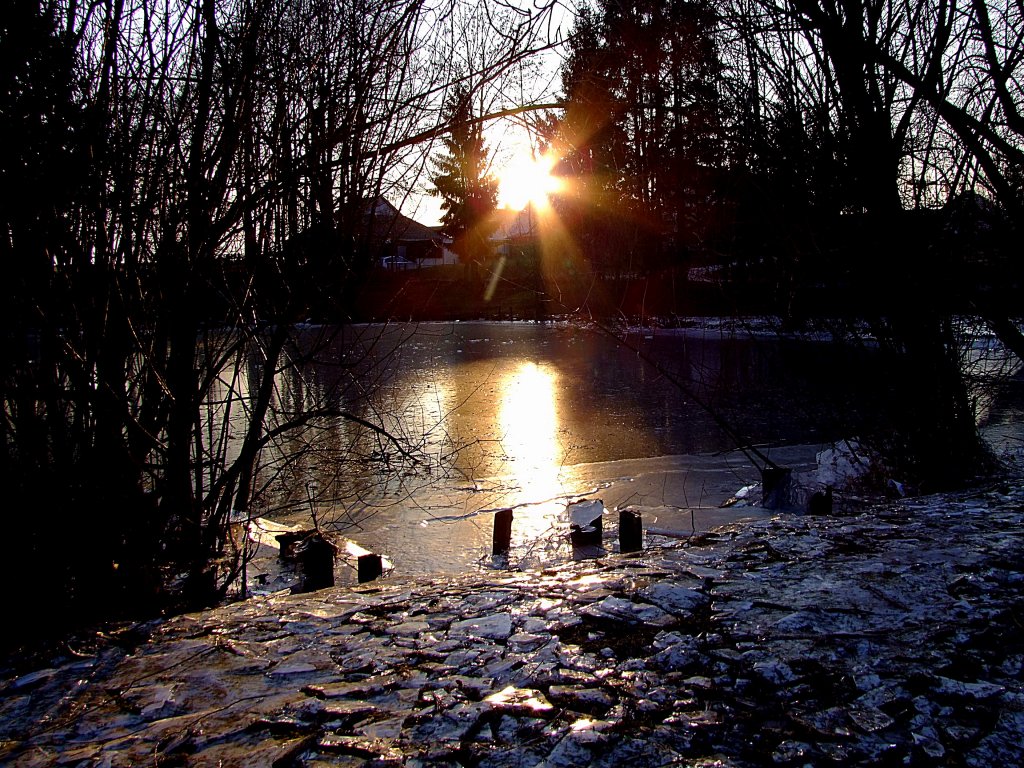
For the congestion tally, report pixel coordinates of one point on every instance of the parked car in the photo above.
(397, 263)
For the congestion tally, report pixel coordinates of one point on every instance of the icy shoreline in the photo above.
(889, 636)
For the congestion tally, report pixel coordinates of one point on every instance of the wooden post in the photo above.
(369, 567)
(289, 541)
(586, 523)
(502, 532)
(588, 535)
(317, 559)
(820, 502)
(776, 487)
(631, 532)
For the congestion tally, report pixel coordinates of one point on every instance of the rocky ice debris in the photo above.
(617, 609)
(496, 627)
(886, 636)
(679, 599)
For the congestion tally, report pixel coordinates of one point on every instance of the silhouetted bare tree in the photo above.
(915, 113)
(216, 159)
(820, 140)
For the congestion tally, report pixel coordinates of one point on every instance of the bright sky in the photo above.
(526, 179)
(522, 174)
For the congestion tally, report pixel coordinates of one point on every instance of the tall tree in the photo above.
(468, 193)
(642, 128)
(591, 141)
(857, 83)
(182, 182)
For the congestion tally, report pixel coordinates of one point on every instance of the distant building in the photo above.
(516, 231)
(402, 243)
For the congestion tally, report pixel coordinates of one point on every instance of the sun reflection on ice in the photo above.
(530, 439)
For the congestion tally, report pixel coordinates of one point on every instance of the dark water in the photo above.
(530, 415)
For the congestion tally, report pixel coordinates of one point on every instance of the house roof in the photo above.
(515, 225)
(392, 224)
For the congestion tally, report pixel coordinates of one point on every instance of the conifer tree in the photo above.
(468, 193)
(643, 123)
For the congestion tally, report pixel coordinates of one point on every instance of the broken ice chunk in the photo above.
(622, 610)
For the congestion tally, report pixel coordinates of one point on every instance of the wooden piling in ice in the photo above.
(776, 487)
(317, 559)
(585, 526)
(369, 567)
(631, 532)
(502, 532)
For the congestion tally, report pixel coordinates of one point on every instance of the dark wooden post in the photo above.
(317, 563)
(369, 567)
(820, 502)
(588, 535)
(289, 541)
(631, 532)
(502, 532)
(776, 488)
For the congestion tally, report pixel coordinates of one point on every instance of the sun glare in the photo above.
(527, 180)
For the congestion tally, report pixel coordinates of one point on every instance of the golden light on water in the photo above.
(528, 416)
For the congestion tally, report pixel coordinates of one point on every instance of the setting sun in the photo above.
(527, 180)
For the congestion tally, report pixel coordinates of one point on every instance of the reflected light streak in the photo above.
(529, 424)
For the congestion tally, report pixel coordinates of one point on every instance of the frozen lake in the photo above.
(530, 415)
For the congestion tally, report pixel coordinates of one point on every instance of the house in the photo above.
(516, 231)
(403, 243)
